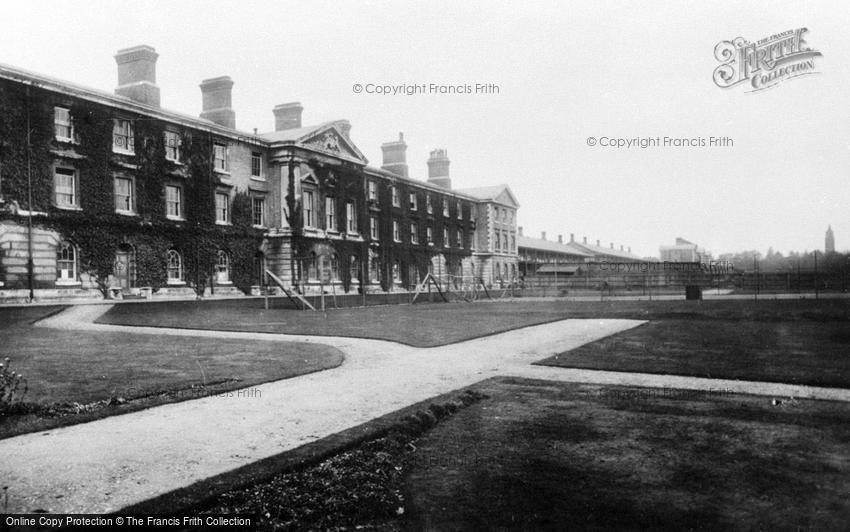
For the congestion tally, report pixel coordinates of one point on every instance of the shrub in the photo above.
(13, 387)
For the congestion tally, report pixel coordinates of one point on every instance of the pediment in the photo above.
(506, 197)
(329, 140)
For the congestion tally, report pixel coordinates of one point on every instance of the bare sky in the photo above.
(565, 71)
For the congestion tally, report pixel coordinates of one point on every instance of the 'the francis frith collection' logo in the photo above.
(765, 63)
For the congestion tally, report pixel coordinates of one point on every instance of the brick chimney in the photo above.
(630, 249)
(598, 244)
(395, 156)
(621, 247)
(438, 169)
(543, 235)
(560, 239)
(519, 230)
(612, 245)
(137, 74)
(572, 237)
(288, 116)
(217, 101)
(344, 127)
(585, 239)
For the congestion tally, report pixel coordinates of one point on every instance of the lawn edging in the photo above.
(202, 494)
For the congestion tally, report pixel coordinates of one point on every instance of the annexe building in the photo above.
(111, 192)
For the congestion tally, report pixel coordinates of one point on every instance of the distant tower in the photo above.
(829, 246)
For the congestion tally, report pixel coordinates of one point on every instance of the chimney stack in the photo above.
(585, 239)
(519, 230)
(344, 127)
(621, 247)
(288, 116)
(438, 169)
(395, 156)
(137, 74)
(630, 249)
(543, 235)
(572, 238)
(598, 244)
(612, 245)
(217, 102)
(560, 239)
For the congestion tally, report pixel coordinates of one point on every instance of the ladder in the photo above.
(294, 296)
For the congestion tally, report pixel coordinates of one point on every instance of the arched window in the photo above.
(354, 269)
(222, 267)
(175, 266)
(312, 267)
(396, 271)
(334, 267)
(66, 263)
(374, 276)
(260, 268)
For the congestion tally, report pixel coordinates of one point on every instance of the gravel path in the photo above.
(111, 463)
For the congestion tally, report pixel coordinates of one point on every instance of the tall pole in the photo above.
(816, 274)
(756, 273)
(30, 265)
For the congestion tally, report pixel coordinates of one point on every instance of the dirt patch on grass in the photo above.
(794, 352)
(358, 487)
(543, 456)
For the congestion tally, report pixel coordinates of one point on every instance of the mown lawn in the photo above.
(541, 455)
(135, 370)
(435, 324)
(803, 351)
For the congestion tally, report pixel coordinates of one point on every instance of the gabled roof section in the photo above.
(496, 193)
(600, 251)
(548, 245)
(325, 137)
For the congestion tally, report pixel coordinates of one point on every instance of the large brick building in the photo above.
(112, 192)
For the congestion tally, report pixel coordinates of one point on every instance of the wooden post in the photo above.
(816, 275)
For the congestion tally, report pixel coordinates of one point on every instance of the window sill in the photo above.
(69, 207)
(224, 283)
(219, 222)
(126, 213)
(123, 152)
(65, 140)
(258, 178)
(174, 161)
(175, 283)
(68, 284)
(175, 218)
(221, 172)
(255, 226)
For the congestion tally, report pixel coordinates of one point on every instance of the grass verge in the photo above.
(349, 479)
(435, 324)
(802, 351)
(540, 455)
(79, 376)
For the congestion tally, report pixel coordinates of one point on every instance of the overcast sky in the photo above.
(565, 71)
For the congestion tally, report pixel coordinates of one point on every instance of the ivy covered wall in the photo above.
(95, 228)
